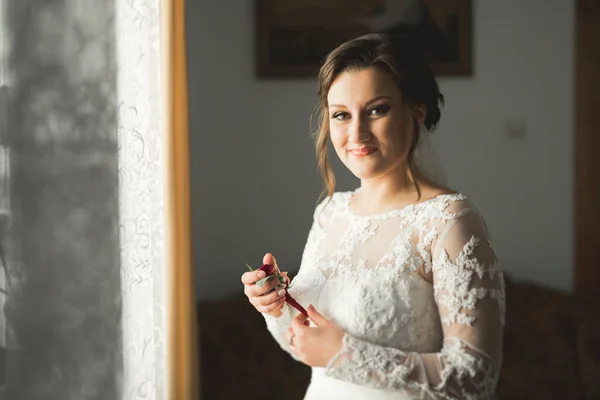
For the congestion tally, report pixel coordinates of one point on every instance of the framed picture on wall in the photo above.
(294, 36)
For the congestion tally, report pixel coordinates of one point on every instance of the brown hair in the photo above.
(396, 54)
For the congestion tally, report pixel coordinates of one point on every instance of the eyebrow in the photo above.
(368, 102)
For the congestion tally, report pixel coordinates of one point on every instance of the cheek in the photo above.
(338, 137)
(397, 135)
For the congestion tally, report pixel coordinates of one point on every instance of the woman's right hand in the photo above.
(260, 297)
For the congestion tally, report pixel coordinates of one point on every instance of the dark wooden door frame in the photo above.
(587, 150)
(587, 193)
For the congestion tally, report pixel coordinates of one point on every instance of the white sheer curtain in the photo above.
(4, 174)
(88, 314)
(141, 198)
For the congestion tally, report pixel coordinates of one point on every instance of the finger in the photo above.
(286, 277)
(252, 291)
(270, 260)
(298, 323)
(267, 299)
(255, 291)
(248, 278)
(273, 282)
(292, 340)
(267, 287)
(315, 316)
(249, 291)
(271, 307)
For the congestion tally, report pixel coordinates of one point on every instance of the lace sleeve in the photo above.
(278, 326)
(469, 291)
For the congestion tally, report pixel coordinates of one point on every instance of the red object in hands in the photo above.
(271, 270)
(268, 269)
(292, 302)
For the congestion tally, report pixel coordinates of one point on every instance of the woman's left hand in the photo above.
(315, 346)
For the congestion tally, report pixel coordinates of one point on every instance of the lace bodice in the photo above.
(418, 292)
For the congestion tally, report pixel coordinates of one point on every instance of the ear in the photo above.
(420, 113)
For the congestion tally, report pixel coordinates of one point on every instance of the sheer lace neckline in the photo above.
(443, 198)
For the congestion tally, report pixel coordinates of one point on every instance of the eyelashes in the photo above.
(378, 110)
(340, 116)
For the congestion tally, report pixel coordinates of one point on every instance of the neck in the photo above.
(388, 190)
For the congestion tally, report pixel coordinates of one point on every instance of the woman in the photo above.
(409, 293)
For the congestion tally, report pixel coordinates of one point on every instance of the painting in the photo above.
(294, 36)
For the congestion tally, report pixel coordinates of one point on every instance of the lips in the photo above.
(363, 151)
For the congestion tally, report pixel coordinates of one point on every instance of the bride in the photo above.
(404, 292)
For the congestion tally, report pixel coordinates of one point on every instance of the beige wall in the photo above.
(254, 177)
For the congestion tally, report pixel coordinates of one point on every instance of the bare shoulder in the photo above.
(431, 191)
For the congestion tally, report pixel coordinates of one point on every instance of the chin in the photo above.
(363, 172)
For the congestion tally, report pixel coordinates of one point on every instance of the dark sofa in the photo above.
(551, 350)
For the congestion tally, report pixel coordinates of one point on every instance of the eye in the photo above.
(379, 110)
(341, 115)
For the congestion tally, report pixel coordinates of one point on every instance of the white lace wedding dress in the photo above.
(418, 292)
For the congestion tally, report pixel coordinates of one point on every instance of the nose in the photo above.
(359, 130)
